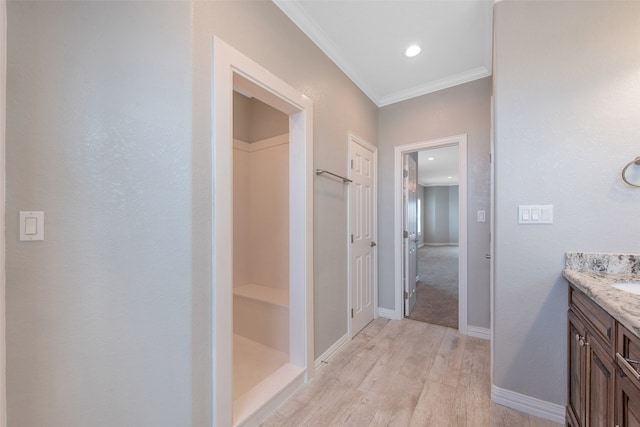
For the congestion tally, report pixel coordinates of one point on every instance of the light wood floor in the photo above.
(403, 373)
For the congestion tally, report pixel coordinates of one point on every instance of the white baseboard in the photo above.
(440, 244)
(478, 332)
(322, 361)
(528, 404)
(388, 314)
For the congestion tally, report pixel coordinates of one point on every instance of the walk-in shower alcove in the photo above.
(262, 235)
(261, 361)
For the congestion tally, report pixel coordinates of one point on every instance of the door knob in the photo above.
(487, 256)
(373, 244)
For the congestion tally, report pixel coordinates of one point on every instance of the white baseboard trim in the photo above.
(323, 360)
(440, 244)
(388, 314)
(528, 404)
(478, 332)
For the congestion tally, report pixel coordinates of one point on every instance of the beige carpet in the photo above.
(437, 290)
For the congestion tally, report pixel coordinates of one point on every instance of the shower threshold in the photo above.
(262, 379)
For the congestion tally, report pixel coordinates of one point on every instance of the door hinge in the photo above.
(352, 313)
(352, 238)
(405, 173)
(405, 234)
(351, 163)
(490, 158)
(406, 295)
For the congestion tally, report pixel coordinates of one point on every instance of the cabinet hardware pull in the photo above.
(627, 364)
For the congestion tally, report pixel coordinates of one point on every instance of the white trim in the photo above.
(492, 237)
(478, 332)
(353, 138)
(3, 181)
(230, 69)
(287, 380)
(529, 405)
(325, 358)
(434, 86)
(251, 147)
(399, 152)
(389, 314)
(444, 184)
(304, 22)
(441, 244)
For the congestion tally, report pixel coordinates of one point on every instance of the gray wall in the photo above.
(566, 109)
(454, 211)
(259, 30)
(458, 110)
(109, 319)
(441, 214)
(253, 120)
(98, 137)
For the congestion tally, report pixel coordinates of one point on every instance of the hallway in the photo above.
(403, 373)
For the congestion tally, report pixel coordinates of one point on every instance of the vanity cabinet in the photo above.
(628, 379)
(591, 363)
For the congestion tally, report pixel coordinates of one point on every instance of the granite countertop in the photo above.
(593, 274)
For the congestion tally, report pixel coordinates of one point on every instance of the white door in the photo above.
(411, 233)
(362, 208)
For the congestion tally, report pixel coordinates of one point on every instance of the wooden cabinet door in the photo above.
(576, 405)
(628, 402)
(600, 385)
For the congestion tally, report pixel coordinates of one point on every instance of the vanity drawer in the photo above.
(628, 354)
(599, 320)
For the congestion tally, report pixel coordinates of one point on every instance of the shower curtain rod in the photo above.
(322, 171)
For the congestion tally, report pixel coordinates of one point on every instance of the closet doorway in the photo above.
(262, 290)
(418, 210)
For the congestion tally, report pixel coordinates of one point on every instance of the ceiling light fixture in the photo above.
(431, 158)
(450, 177)
(412, 51)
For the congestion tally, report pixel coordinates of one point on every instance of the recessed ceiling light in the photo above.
(431, 158)
(412, 51)
(450, 177)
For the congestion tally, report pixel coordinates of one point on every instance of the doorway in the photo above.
(404, 278)
(233, 71)
(435, 207)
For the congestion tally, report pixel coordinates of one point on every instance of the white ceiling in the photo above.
(442, 170)
(367, 40)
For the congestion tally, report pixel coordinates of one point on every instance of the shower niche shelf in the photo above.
(266, 294)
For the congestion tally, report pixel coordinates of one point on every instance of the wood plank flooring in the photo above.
(403, 373)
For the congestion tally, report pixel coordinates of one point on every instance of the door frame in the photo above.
(230, 69)
(399, 152)
(352, 138)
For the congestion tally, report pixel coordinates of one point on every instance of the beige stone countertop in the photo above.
(621, 305)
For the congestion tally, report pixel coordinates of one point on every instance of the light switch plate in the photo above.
(535, 214)
(31, 225)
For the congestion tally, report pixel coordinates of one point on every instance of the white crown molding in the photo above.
(308, 26)
(434, 86)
